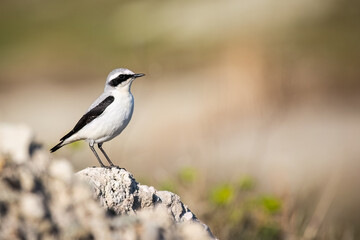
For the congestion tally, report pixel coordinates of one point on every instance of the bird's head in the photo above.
(121, 78)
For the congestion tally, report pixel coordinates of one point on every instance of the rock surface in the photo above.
(42, 198)
(16, 141)
(118, 191)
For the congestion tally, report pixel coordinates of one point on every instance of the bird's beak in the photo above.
(137, 75)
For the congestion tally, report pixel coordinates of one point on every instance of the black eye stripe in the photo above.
(119, 79)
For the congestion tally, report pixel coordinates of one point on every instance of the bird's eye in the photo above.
(119, 79)
(123, 77)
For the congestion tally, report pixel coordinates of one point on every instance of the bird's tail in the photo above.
(57, 146)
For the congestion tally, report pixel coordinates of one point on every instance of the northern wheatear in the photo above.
(107, 116)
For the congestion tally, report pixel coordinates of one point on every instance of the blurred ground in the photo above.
(259, 88)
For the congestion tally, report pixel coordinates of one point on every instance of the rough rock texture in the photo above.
(42, 198)
(118, 191)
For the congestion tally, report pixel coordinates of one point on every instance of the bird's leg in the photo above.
(91, 145)
(106, 156)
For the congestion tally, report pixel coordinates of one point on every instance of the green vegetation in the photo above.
(234, 210)
(239, 209)
(222, 195)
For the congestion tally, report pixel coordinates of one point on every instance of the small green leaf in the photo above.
(222, 195)
(271, 204)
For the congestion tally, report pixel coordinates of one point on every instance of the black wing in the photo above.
(90, 116)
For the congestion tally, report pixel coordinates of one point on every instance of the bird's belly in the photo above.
(111, 123)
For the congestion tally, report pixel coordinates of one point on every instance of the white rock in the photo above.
(15, 141)
(118, 190)
(61, 169)
(31, 206)
(188, 216)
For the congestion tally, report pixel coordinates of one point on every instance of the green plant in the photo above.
(222, 195)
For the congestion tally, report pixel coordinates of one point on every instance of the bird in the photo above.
(107, 116)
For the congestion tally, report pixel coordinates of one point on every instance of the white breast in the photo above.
(112, 121)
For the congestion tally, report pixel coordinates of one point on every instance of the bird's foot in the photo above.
(110, 167)
(107, 167)
(115, 166)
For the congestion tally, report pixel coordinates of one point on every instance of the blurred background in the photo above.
(249, 109)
